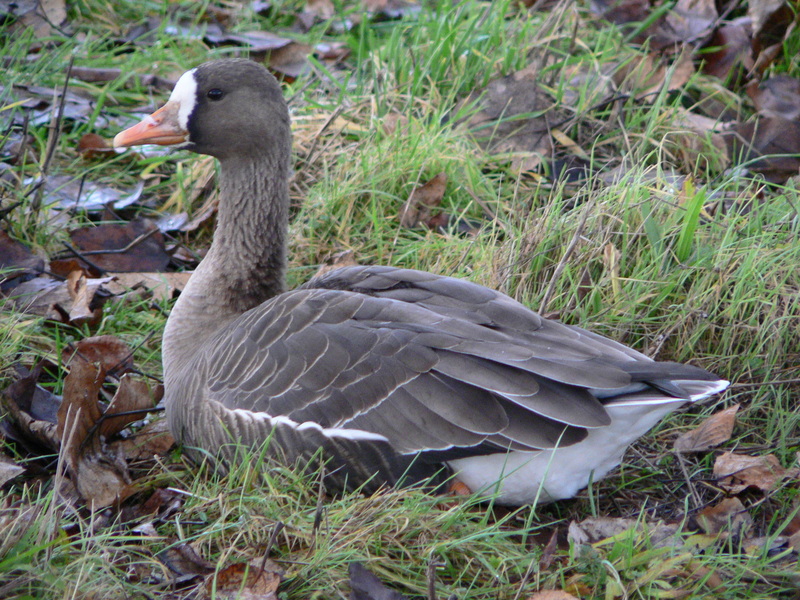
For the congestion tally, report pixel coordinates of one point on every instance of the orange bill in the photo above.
(162, 128)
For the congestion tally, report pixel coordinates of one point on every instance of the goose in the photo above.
(393, 377)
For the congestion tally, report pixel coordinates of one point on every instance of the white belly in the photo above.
(527, 477)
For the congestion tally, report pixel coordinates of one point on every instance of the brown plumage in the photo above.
(395, 375)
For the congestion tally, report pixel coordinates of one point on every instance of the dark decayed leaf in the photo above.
(107, 350)
(769, 146)
(17, 262)
(30, 412)
(366, 586)
(9, 469)
(135, 246)
(690, 20)
(647, 76)
(777, 97)
(729, 48)
(182, 560)
(512, 119)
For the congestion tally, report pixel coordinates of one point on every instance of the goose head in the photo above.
(231, 109)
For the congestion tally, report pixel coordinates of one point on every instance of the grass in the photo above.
(703, 271)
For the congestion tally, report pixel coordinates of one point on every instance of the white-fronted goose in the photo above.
(396, 375)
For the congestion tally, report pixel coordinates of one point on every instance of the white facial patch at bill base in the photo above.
(185, 94)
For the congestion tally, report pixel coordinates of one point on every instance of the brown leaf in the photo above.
(100, 476)
(290, 62)
(512, 119)
(647, 76)
(8, 469)
(593, 530)
(321, 9)
(729, 515)
(245, 581)
(770, 146)
(134, 246)
(715, 430)
(81, 296)
(552, 595)
(549, 552)
(17, 262)
(133, 395)
(108, 350)
(92, 145)
(777, 97)
(154, 439)
(732, 49)
(737, 472)
(345, 258)
(184, 561)
(160, 286)
(421, 200)
(690, 20)
(364, 585)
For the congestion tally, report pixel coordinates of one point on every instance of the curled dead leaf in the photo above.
(729, 516)
(245, 581)
(737, 472)
(417, 209)
(714, 431)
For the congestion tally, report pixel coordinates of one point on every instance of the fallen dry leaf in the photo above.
(365, 585)
(421, 200)
(345, 258)
(593, 530)
(770, 146)
(112, 353)
(100, 476)
(552, 595)
(8, 469)
(159, 286)
(513, 119)
(714, 431)
(737, 472)
(731, 50)
(49, 298)
(646, 76)
(777, 97)
(154, 439)
(729, 516)
(81, 296)
(17, 262)
(183, 560)
(135, 246)
(245, 581)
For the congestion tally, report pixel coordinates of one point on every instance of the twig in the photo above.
(78, 254)
(52, 139)
(564, 258)
(272, 539)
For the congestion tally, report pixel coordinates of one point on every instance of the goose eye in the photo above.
(215, 94)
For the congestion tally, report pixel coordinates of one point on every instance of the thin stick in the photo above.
(52, 139)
